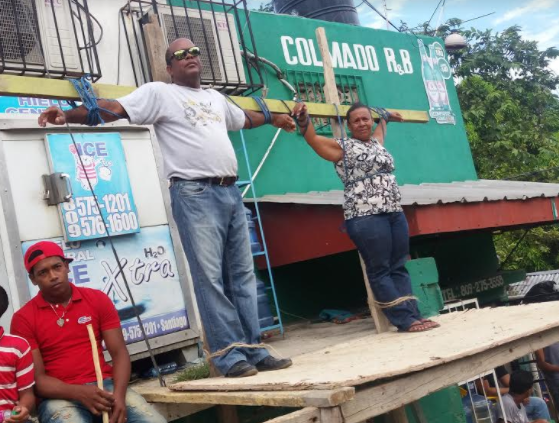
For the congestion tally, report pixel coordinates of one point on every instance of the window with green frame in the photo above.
(310, 87)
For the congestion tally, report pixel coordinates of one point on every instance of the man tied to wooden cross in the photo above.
(54, 324)
(191, 124)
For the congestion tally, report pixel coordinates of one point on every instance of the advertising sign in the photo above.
(103, 168)
(435, 70)
(150, 267)
(28, 105)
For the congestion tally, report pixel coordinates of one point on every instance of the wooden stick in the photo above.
(98, 373)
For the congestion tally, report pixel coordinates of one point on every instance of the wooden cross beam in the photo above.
(59, 89)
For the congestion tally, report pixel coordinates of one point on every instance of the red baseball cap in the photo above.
(40, 251)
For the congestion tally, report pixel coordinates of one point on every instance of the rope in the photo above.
(85, 91)
(244, 111)
(396, 302)
(264, 108)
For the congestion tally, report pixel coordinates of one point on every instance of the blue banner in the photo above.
(103, 168)
(28, 105)
(150, 267)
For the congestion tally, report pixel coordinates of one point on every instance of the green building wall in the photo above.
(429, 152)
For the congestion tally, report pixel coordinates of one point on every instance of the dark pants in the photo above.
(383, 242)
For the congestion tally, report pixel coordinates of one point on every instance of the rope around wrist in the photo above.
(382, 112)
(303, 126)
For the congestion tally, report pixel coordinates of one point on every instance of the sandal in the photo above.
(417, 326)
(430, 323)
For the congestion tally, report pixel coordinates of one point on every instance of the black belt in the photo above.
(224, 181)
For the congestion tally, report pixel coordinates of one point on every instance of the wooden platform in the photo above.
(372, 374)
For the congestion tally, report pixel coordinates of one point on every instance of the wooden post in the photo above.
(156, 48)
(330, 88)
(331, 415)
(331, 95)
(398, 416)
(381, 322)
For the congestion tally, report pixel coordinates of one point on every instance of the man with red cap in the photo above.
(54, 323)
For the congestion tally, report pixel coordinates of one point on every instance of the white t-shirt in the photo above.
(191, 126)
(515, 413)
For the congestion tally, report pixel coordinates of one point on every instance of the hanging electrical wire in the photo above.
(381, 15)
(93, 18)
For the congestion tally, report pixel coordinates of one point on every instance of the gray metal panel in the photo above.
(437, 193)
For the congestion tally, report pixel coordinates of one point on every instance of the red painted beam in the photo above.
(298, 232)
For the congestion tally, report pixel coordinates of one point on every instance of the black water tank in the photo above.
(342, 11)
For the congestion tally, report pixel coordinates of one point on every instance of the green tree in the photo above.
(506, 93)
(266, 7)
(510, 107)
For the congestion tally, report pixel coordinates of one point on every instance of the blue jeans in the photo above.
(537, 409)
(214, 233)
(383, 242)
(62, 411)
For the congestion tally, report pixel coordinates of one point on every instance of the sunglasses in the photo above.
(182, 54)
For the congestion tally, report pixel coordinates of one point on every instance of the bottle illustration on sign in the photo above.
(90, 167)
(435, 70)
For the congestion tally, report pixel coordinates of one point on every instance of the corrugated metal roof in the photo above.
(436, 193)
(518, 290)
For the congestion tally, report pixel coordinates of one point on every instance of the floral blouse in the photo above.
(369, 185)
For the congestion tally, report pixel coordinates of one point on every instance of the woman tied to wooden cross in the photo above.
(373, 214)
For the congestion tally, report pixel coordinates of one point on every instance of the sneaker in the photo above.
(272, 363)
(241, 369)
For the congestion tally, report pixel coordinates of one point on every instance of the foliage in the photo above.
(266, 7)
(196, 372)
(511, 113)
(508, 97)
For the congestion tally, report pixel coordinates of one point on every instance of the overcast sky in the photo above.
(539, 19)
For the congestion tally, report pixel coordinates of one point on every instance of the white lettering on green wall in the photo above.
(302, 51)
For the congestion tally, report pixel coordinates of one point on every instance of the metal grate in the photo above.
(19, 18)
(221, 28)
(48, 38)
(310, 87)
(193, 28)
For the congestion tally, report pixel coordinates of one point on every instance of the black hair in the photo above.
(168, 56)
(4, 301)
(354, 107)
(520, 382)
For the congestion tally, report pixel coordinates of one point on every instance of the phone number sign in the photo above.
(94, 162)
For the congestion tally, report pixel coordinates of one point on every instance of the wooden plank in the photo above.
(156, 46)
(297, 399)
(374, 357)
(306, 415)
(27, 86)
(381, 321)
(382, 398)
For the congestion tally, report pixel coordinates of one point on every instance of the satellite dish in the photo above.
(455, 41)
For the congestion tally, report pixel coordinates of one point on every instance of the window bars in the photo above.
(310, 87)
(49, 38)
(221, 29)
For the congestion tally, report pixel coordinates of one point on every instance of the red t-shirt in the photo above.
(16, 369)
(66, 350)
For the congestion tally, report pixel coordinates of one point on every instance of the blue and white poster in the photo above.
(150, 267)
(28, 105)
(102, 168)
